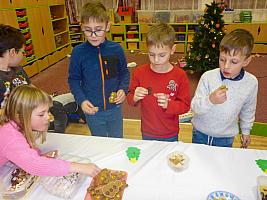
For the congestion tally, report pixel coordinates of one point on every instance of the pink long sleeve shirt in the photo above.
(15, 148)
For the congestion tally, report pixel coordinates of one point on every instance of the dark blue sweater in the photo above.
(89, 80)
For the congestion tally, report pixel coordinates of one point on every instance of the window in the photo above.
(248, 4)
(169, 4)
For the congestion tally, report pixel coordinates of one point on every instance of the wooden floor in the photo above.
(131, 130)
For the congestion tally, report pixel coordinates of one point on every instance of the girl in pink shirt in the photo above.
(24, 119)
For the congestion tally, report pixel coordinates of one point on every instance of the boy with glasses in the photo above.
(11, 55)
(98, 74)
(12, 75)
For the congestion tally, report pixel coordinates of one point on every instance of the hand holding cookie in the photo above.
(163, 99)
(139, 93)
(218, 96)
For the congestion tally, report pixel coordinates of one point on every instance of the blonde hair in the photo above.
(161, 34)
(19, 107)
(237, 41)
(94, 11)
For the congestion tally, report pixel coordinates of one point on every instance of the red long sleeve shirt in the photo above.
(156, 121)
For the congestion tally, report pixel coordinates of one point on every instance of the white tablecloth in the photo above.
(210, 168)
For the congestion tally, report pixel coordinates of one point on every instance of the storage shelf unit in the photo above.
(38, 20)
(76, 34)
(133, 36)
(60, 25)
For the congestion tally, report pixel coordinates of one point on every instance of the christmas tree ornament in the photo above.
(212, 22)
(217, 25)
(213, 45)
(212, 30)
(207, 56)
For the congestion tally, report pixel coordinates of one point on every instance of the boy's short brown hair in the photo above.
(94, 10)
(161, 34)
(10, 37)
(237, 41)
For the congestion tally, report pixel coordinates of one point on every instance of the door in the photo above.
(8, 17)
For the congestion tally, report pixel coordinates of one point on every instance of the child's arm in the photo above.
(75, 78)
(201, 103)
(88, 107)
(247, 113)
(136, 93)
(245, 140)
(124, 74)
(89, 169)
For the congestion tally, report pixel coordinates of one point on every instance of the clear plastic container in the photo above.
(178, 160)
(26, 185)
(65, 186)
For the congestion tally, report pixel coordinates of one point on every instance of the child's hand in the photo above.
(218, 96)
(163, 99)
(120, 96)
(89, 169)
(88, 108)
(245, 140)
(51, 154)
(139, 93)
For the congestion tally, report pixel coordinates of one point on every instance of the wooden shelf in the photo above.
(133, 36)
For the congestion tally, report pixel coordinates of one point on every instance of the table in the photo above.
(151, 178)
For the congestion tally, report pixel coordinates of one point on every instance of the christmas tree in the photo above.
(204, 51)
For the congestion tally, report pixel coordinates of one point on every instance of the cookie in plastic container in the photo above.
(15, 183)
(65, 186)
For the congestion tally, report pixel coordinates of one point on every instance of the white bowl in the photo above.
(178, 160)
(262, 181)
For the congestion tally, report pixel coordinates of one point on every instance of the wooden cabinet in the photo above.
(39, 20)
(53, 2)
(37, 3)
(44, 25)
(6, 4)
(8, 17)
(259, 32)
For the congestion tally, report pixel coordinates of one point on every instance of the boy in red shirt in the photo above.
(161, 88)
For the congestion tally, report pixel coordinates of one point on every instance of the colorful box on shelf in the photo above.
(22, 18)
(125, 10)
(145, 16)
(118, 39)
(21, 12)
(132, 45)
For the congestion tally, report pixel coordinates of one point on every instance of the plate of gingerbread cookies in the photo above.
(108, 184)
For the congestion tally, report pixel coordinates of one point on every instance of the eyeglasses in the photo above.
(98, 33)
(21, 50)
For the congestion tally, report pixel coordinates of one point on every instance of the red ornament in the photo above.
(218, 25)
